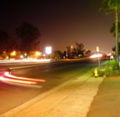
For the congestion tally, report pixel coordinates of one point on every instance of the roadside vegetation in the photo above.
(113, 6)
(109, 69)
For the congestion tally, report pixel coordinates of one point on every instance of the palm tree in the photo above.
(112, 30)
(113, 6)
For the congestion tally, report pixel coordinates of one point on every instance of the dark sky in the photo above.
(61, 22)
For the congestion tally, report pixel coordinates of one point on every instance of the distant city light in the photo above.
(48, 50)
(28, 60)
(97, 49)
(25, 54)
(37, 53)
(71, 46)
(44, 55)
(111, 57)
(13, 53)
(96, 55)
(7, 57)
(109, 54)
(21, 56)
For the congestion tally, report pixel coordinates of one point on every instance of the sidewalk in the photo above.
(107, 101)
(71, 99)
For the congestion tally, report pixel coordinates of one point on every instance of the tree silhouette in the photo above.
(6, 43)
(57, 55)
(112, 30)
(28, 35)
(113, 49)
(110, 6)
(80, 49)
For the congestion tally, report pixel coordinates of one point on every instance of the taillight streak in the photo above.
(7, 74)
(17, 81)
(9, 78)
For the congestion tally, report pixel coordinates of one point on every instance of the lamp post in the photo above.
(98, 50)
(38, 54)
(13, 53)
(48, 50)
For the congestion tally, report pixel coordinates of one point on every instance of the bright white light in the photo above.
(37, 53)
(25, 54)
(96, 55)
(48, 50)
(21, 56)
(111, 57)
(29, 60)
(7, 57)
(109, 54)
(97, 49)
(13, 53)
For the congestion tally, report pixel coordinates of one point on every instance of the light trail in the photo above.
(96, 55)
(29, 60)
(7, 74)
(16, 81)
(7, 77)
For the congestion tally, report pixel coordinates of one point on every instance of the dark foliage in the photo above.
(112, 30)
(113, 49)
(6, 43)
(28, 35)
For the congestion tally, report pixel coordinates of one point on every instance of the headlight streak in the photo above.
(7, 77)
(96, 55)
(16, 81)
(28, 60)
(7, 74)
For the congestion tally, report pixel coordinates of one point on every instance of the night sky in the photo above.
(61, 22)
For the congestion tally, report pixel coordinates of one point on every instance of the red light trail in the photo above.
(7, 74)
(9, 78)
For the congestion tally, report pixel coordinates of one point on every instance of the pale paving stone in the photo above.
(78, 103)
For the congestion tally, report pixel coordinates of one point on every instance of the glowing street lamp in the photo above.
(37, 53)
(7, 57)
(25, 54)
(48, 50)
(13, 53)
(71, 46)
(44, 55)
(96, 55)
(21, 56)
(97, 49)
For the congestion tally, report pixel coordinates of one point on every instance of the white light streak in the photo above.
(96, 55)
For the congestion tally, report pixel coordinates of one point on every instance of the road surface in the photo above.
(55, 74)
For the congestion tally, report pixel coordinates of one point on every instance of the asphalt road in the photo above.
(12, 96)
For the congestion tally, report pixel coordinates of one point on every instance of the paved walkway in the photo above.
(107, 101)
(71, 99)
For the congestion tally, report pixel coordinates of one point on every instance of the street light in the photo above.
(48, 50)
(13, 53)
(37, 53)
(98, 50)
(21, 56)
(96, 55)
(44, 55)
(25, 54)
